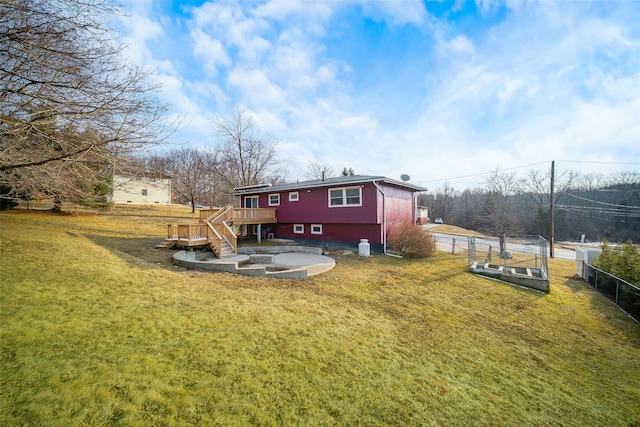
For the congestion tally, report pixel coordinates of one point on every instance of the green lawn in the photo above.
(99, 328)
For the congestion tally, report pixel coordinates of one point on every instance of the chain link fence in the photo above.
(521, 260)
(622, 293)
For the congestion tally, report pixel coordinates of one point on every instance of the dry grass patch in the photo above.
(453, 229)
(100, 328)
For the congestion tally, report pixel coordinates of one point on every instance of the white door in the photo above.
(251, 202)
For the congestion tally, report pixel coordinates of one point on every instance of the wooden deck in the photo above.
(215, 228)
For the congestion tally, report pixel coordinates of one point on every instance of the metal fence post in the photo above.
(596, 284)
(453, 246)
(617, 291)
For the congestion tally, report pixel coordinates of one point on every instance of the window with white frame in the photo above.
(298, 228)
(294, 196)
(274, 199)
(348, 196)
(251, 202)
(316, 228)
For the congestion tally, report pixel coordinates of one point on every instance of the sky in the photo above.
(442, 91)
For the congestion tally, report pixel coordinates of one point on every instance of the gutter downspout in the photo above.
(384, 218)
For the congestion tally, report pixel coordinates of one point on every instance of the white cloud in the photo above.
(396, 12)
(234, 27)
(461, 44)
(311, 14)
(536, 82)
(210, 51)
(255, 84)
(486, 6)
(141, 30)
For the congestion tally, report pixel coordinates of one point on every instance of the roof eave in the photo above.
(328, 182)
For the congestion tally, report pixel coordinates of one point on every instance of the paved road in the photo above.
(457, 244)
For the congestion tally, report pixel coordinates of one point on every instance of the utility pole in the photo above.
(551, 196)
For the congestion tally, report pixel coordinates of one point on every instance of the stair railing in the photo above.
(217, 222)
(230, 236)
(215, 240)
(222, 214)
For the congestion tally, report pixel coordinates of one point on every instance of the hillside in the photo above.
(98, 327)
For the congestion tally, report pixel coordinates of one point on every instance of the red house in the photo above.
(341, 210)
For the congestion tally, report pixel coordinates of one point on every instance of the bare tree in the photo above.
(69, 102)
(590, 182)
(467, 208)
(318, 169)
(247, 157)
(624, 180)
(499, 207)
(538, 185)
(193, 175)
(188, 170)
(443, 201)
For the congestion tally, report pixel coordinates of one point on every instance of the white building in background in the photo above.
(140, 190)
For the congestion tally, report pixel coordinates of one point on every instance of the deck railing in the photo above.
(226, 233)
(243, 214)
(187, 231)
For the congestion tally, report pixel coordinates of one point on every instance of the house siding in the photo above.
(346, 233)
(312, 206)
(127, 189)
(348, 224)
(399, 206)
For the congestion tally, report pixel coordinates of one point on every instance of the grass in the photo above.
(99, 328)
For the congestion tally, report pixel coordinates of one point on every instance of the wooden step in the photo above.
(166, 244)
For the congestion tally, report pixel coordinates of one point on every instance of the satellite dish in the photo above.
(405, 177)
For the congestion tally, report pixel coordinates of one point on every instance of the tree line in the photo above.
(598, 206)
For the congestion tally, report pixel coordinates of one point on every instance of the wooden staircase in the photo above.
(222, 240)
(227, 250)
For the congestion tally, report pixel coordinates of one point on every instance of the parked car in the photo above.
(439, 221)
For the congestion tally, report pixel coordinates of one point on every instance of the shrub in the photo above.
(411, 240)
(621, 261)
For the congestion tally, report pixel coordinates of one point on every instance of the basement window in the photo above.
(316, 228)
(298, 228)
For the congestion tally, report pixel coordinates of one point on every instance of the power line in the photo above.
(483, 173)
(598, 163)
(589, 215)
(526, 166)
(602, 203)
(596, 209)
